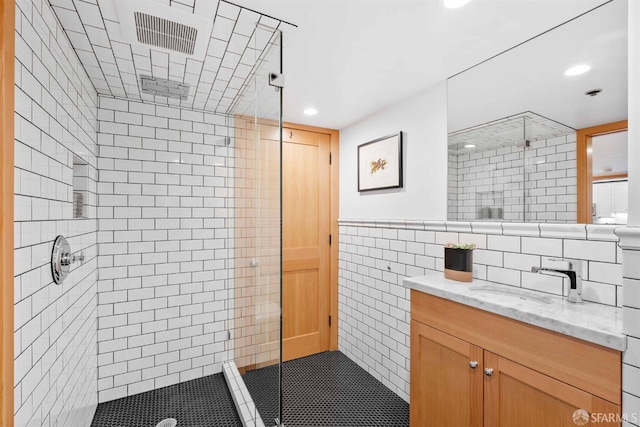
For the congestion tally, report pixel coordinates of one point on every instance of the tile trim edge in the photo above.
(246, 408)
(629, 237)
(545, 230)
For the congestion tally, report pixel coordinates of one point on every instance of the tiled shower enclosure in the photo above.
(158, 193)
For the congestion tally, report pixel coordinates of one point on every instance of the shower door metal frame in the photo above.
(280, 136)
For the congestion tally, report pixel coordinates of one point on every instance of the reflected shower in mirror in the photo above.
(515, 120)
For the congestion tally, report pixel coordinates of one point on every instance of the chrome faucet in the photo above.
(570, 268)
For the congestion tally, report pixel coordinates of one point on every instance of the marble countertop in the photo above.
(596, 323)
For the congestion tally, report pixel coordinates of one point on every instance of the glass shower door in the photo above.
(257, 228)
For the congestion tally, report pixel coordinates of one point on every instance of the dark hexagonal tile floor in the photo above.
(326, 390)
(204, 402)
(323, 390)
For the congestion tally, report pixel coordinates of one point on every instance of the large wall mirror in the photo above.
(537, 133)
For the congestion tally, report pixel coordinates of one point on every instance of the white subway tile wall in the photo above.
(454, 188)
(630, 242)
(373, 305)
(55, 325)
(493, 179)
(164, 243)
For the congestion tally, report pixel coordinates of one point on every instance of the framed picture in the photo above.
(380, 163)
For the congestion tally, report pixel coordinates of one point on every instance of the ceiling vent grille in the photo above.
(165, 34)
(161, 87)
(147, 24)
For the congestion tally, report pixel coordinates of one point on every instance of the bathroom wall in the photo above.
(634, 113)
(630, 236)
(630, 242)
(164, 244)
(452, 186)
(423, 120)
(55, 325)
(375, 255)
(549, 176)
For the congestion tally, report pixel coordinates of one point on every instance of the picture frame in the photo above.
(380, 163)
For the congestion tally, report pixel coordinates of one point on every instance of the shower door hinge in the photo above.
(228, 335)
(329, 320)
(276, 80)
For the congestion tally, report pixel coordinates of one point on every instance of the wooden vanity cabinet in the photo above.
(445, 390)
(470, 367)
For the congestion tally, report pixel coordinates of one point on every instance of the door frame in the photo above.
(334, 212)
(7, 112)
(585, 163)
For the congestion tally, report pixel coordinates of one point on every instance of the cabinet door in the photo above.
(446, 380)
(620, 196)
(602, 199)
(516, 396)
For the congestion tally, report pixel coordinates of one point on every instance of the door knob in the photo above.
(488, 371)
(473, 364)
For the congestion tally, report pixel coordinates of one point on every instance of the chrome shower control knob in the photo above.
(488, 371)
(60, 260)
(473, 364)
(65, 259)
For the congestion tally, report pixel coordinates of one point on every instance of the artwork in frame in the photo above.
(380, 163)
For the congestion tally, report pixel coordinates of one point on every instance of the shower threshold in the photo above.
(245, 406)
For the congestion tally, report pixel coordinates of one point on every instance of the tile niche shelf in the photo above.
(490, 205)
(80, 187)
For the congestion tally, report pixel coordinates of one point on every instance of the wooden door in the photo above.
(446, 391)
(584, 163)
(7, 109)
(306, 226)
(516, 396)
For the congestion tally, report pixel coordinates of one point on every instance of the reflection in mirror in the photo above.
(504, 171)
(609, 166)
(513, 121)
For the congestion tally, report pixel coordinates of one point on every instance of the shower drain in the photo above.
(169, 422)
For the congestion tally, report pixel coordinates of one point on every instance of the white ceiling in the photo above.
(531, 76)
(351, 58)
(347, 58)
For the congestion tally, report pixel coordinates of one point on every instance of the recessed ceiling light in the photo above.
(454, 4)
(577, 70)
(310, 111)
(469, 145)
